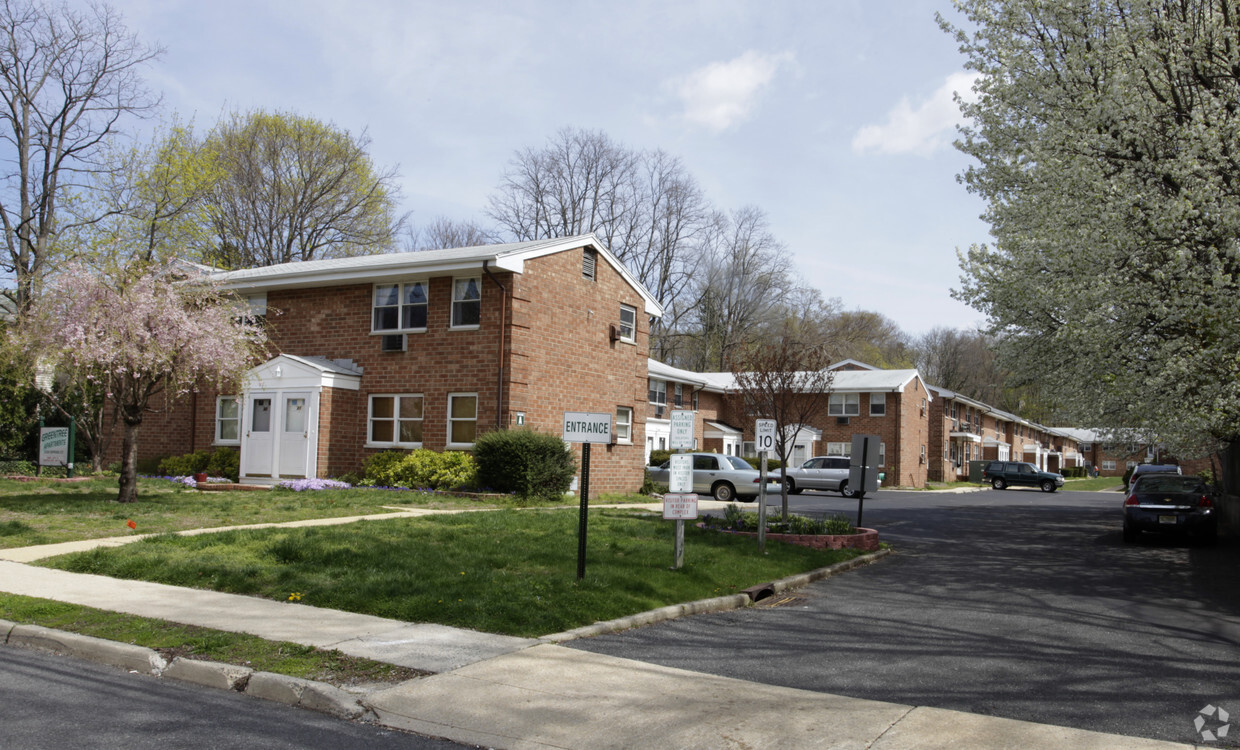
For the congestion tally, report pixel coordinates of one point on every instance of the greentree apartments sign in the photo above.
(587, 427)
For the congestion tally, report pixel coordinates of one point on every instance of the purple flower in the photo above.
(298, 485)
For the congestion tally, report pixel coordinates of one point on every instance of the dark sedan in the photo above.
(1169, 503)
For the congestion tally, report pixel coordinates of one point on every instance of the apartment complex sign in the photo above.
(54, 446)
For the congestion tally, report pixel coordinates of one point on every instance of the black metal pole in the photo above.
(585, 502)
(865, 468)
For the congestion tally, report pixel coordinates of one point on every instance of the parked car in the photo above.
(1170, 503)
(1145, 469)
(821, 473)
(1004, 474)
(724, 478)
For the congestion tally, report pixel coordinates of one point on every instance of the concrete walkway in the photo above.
(508, 692)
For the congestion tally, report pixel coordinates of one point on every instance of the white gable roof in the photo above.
(374, 268)
(850, 381)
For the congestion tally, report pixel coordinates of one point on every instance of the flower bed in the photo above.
(864, 539)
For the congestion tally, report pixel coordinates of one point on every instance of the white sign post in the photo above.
(680, 502)
(764, 441)
(585, 428)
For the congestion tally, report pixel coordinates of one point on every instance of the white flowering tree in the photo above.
(143, 337)
(1107, 139)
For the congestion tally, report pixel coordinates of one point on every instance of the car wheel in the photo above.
(793, 489)
(845, 491)
(723, 492)
(1130, 534)
(998, 484)
(1048, 486)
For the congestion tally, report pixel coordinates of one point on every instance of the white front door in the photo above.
(293, 456)
(277, 439)
(258, 439)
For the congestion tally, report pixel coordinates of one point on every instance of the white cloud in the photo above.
(921, 131)
(722, 94)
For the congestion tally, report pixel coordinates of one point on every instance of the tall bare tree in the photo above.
(295, 188)
(785, 379)
(443, 232)
(68, 79)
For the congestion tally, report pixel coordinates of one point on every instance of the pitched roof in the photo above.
(372, 268)
(851, 381)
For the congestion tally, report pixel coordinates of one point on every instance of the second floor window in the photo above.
(400, 307)
(878, 404)
(844, 405)
(466, 302)
(678, 396)
(628, 323)
(658, 392)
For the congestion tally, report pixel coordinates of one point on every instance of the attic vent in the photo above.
(589, 259)
(393, 343)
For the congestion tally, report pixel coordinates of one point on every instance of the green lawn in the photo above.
(1094, 485)
(508, 571)
(45, 512)
(187, 641)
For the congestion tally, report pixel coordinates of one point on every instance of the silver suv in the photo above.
(821, 473)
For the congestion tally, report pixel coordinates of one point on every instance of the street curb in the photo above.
(703, 606)
(292, 691)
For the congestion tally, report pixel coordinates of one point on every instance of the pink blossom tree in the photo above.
(145, 336)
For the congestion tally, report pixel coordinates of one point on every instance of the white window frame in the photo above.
(882, 454)
(628, 331)
(1108, 465)
(657, 388)
(220, 419)
(624, 425)
(678, 396)
(400, 306)
(457, 303)
(844, 405)
(839, 449)
(879, 400)
(395, 419)
(452, 420)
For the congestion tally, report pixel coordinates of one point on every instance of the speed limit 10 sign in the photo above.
(764, 434)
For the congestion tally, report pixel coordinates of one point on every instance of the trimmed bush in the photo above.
(659, 457)
(222, 462)
(528, 464)
(420, 469)
(772, 464)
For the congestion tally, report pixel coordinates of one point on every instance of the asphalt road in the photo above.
(52, 702)
(1008, 603)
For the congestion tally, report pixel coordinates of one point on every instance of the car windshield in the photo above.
(1170, 483)
(738, 463)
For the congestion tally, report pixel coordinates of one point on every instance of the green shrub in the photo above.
(772, 464)
(736, 519)
(529, 464)
(222, 462)
(1128, 475)
(420, 469)
(21, 468)
(659, 457)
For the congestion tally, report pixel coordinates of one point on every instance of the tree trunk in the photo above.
(129, 460)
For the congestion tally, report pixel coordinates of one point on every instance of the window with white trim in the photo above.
(844, 405)
(628, 323)
(838, 449)
(878, 404)
(462, 419)
(228, 420)
(624, 424)
(678, 397)
(400, 307)
(658, 392)
(882, 454)
(1108, 466)
(466, 303)
(395, 420)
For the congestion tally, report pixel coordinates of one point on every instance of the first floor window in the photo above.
(1108, 466)
(462, 418)
(396, 420)
(882, 454)
(844, 405)
(838, 449)
(228, 419)
(466, 302)
(624, 424)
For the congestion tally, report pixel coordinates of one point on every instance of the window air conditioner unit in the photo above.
(841, 420)
(393, 343)
(613, 332)
(658, 412)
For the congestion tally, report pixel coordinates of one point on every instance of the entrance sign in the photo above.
(682, 430)
(587, 427)
(54, 446)
(680, 507)
(680, 473)
(764, 435)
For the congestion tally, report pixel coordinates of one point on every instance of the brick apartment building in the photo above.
(429, 349)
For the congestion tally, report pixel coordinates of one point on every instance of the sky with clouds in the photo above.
(833, 116)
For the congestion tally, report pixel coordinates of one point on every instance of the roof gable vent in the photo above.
(589, 262)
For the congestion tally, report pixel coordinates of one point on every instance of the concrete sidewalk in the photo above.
(508, 692)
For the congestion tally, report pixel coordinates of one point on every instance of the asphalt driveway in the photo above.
(1016, 603)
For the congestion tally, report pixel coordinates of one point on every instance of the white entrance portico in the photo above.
(280, 421)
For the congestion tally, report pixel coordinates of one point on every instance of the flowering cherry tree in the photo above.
(143, 336)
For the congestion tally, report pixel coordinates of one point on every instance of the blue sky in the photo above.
(833, 116)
